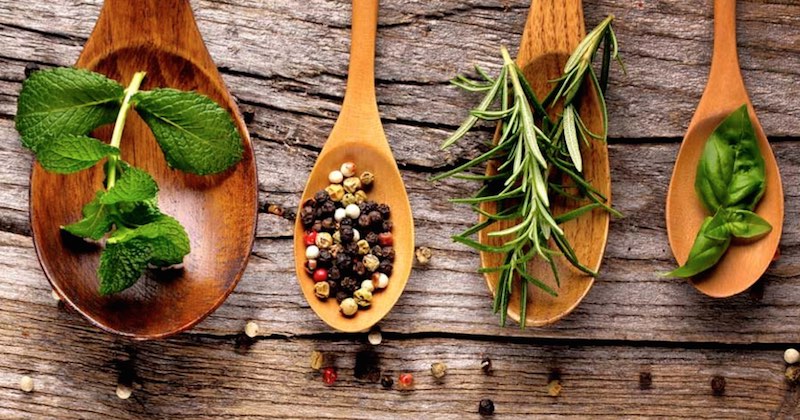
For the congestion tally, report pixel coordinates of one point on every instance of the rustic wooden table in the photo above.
(638, 344)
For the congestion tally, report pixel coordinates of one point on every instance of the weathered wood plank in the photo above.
(77, 370)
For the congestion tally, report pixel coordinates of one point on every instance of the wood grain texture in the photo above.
(286, 61)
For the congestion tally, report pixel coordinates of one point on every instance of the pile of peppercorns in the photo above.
(348, 240)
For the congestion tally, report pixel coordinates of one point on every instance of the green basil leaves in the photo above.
(730, 182)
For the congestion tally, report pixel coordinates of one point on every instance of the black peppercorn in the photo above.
(370, 206)
(385, 267)
(346, 222)
(363, 221)
(334, 273)
(388, 253)
(342, 260)
(309, 203)
(346, 234)
(383, 209)
(334, 286)
(325, 258)
(377, 251)
(317, 227)
(718, 385)
(486, 365)
(486, 407)
(349, 284)
(387, 381)
(359, 268)
(307, 219)
(351, 249)
(328, 207)
(387, 226)
(328, 224)
(320, 196)
(372, 239)
(341, 295)
(375, 218)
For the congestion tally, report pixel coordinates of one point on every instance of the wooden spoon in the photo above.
(358, 137)
(743, 264)
(218, 212)
(552, 31)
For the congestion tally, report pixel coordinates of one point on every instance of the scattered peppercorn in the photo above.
(486, 407)
(486, 365)
(423, 254)
(251, 329)
(123, 391)
(554, 388)
(329, 375)
(374, 337)
(718, 385)
(406, 380)
(645, 380)
(387, 381)
(792, 374)
(438, 370)
(26, 383)
(791, 356)
(317, 359)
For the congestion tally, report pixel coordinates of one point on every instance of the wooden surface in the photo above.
(285, 62)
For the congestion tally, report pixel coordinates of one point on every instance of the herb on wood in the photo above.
(535, 159)
(730, 182)
(57, 110)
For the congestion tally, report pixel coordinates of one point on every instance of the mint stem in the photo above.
(119, 125)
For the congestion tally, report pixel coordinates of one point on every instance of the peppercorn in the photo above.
(348, 307)
(366, 178)
(349, 284)
(367, 285)
(328, 207)
(322, 289)
(346, 222)
(325, 258)
(329, 375)
(718, 385)
(363, 297)
(486, 365)
(387, 382)
(388, 253)
(346, 233)
(320, 275)
(438, 370)
(339, 214)
(336, 248)
(374, 337)
(324, 240)
(307, 219)
(311, 202)
(310, 238)
(792, 374)
(375, 218)
(352, 211)
(348, 199)
(363, 221)
(406, 380)
(342, 259)
(334, 273)
(361, 196)
(371, 262)
(348, 169)
(372, 238)
(554, 388)
(123, 391)
(486, 407)
(423, 254)
(385, 267)
(385, 239)
(328, 224)
(363, 247)
(356, 235)
(791, 356)
(380, 280)
(351, 248)
(317, 359)
(310, 266)
(320, 196)
(335, 177)
(384, 210)
(387, 226)
(317, 226)
(335, 191)
(341, 295)
(352, 185)
(359, 269)
(312, 252)
(26, 383)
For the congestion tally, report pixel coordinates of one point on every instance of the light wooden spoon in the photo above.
(552, 31)
(743, 264)
(358, 137)
(218, 212)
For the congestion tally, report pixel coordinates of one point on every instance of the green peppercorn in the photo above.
(363, 297)
(363, 247)
(348, 199)
(361, 196)
(348, 307)
(371, 262)
(352, 184)
(335, 192)
(322, 289)
(438, 370)
(367, 178)
(324, 240)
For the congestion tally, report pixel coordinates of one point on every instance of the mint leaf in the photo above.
(70, 153)
(195, 134)
(165, 236)
(138, 214)
(134, 185)
(63, 101)
(121, 265)
(96, 221)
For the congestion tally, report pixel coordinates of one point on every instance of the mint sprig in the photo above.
(58, 108)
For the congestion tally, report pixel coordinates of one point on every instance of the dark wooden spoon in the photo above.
(218, 212)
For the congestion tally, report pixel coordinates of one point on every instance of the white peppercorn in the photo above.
(363, 297)
(324, 240)
(791, 356)
(348, 169)
(348, 307)
(26, 383)
(322, 289)
(371, 262)
(123, 391)
(352, 211)
(380, 280)
(251, 329)
(375, 337)
(335, 192)
(312, 252)
(367, 178)
(335, 177)
(339, 214)
(352, 184)
(356, 235)
(367, 284)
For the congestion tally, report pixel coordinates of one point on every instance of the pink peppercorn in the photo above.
(329, 375)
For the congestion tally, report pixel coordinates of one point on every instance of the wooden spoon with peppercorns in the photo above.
(358, 137)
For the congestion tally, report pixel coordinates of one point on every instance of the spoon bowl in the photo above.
(744, 263)
(218, 212)
(552, 31)
(358, 137)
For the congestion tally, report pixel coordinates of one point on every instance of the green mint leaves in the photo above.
(56, 111)
(195, 134)
(730, 182)
(65, 101)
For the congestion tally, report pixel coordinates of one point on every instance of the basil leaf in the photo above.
(706, 251)
(70, 153)
(195, 134)
(731, 169)
(96, 220)
(741, 224)
(64, 101)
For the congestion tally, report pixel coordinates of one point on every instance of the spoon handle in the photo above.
(359, 97)
(552, 26)
(725, 60)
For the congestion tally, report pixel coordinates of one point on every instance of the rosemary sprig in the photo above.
(532, 162)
